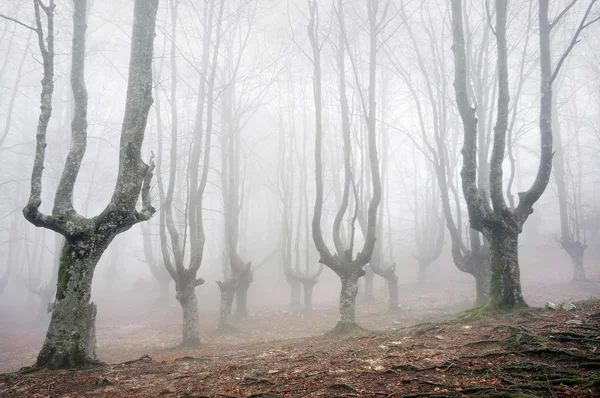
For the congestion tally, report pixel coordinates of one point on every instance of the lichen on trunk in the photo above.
(186, 296)
(71, 337)
(347, 322)
(505, 284)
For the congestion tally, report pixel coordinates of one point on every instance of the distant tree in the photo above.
(70, 339)
(344, 263)
(178, 239)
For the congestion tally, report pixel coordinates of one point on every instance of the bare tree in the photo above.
(70, 340)
(174, 240)
(499, 223)
(344, 263)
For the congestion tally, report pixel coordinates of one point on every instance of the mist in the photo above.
(225, 173)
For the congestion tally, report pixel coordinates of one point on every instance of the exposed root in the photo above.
(140, 359)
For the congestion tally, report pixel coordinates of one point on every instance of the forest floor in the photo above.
(421, 351)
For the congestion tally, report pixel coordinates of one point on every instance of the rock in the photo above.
(395, 343)
(568, 306)
(203, 375)
(102, 381)
(574, 322)
(437, 336)
(467, 327)
(273, 371)
(170, 389)
(550, 305)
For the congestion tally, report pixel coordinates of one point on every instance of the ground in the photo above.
(423, 350)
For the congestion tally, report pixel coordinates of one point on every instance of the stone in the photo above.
(203, 375)
(574, 322)
(102, 381)
(568, 306)
(550, 305)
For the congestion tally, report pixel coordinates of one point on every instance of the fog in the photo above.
(242, 78)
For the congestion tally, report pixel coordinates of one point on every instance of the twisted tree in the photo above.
(70, 339)
(488, 210)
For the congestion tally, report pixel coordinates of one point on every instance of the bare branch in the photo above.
(18, 22)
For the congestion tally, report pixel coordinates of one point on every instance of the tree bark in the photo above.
(228, 289)
(505, 285)
(71, 337)
(189, 305)
(348, 293)
(393, 292)
(241, 295)
(369, 278)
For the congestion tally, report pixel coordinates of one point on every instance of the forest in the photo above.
(300, 198)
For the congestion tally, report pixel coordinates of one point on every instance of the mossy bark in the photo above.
(505, 283)
(71, 337)
(348, 293)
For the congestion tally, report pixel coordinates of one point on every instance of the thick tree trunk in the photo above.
(71, 337)
(308, 285)
(505, 284)
(295, 291)
(189, 305)
(228, 290)
(348, 293)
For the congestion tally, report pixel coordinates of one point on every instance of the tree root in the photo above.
(345, 329)
(140, 359)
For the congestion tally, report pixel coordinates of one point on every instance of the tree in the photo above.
(173, 240)
(344, 263)
(70, 339)
(499, 223)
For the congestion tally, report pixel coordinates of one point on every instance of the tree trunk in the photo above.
(369, 277)
(228, 290)
(71, 337)
(295, 290)
(189, 305)
(505, 287)
(393, 289)
(576, 251)
(482, 284)
(348, 293)
(241, 295)
(308, 285)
